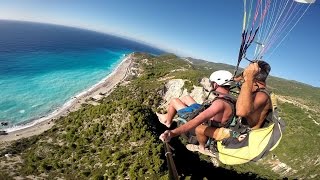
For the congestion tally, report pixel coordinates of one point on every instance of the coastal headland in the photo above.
(98, 91)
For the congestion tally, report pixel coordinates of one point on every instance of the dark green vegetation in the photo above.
(118, 139)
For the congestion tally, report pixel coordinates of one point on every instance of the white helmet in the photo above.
(221, 77)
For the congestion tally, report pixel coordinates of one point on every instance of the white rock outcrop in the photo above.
(174, 89)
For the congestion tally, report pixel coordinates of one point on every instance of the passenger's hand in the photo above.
(251, 70)
(166, 136)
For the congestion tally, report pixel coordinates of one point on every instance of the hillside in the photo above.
(118, 138)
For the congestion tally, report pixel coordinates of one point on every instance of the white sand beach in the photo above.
(101, 89)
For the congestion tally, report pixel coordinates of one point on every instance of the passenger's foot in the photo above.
(163, 120)
(205, 151)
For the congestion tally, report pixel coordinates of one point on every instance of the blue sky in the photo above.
(206, 29)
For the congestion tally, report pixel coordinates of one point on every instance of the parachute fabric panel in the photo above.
(305, 1)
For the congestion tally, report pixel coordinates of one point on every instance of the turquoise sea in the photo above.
(43, 66)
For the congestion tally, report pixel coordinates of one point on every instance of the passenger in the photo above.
(252, 104)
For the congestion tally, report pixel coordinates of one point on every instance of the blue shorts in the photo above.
(185, 112)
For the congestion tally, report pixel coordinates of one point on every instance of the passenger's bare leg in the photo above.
(201, 137)
(188, 100)
(212, 132)
(174, 105)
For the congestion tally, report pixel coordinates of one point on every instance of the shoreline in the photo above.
(105, 87)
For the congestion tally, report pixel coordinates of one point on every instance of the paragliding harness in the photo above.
(190, 136)
(256, 144)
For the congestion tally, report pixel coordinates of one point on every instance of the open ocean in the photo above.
(43, 66)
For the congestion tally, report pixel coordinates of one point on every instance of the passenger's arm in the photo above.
(244, 105)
